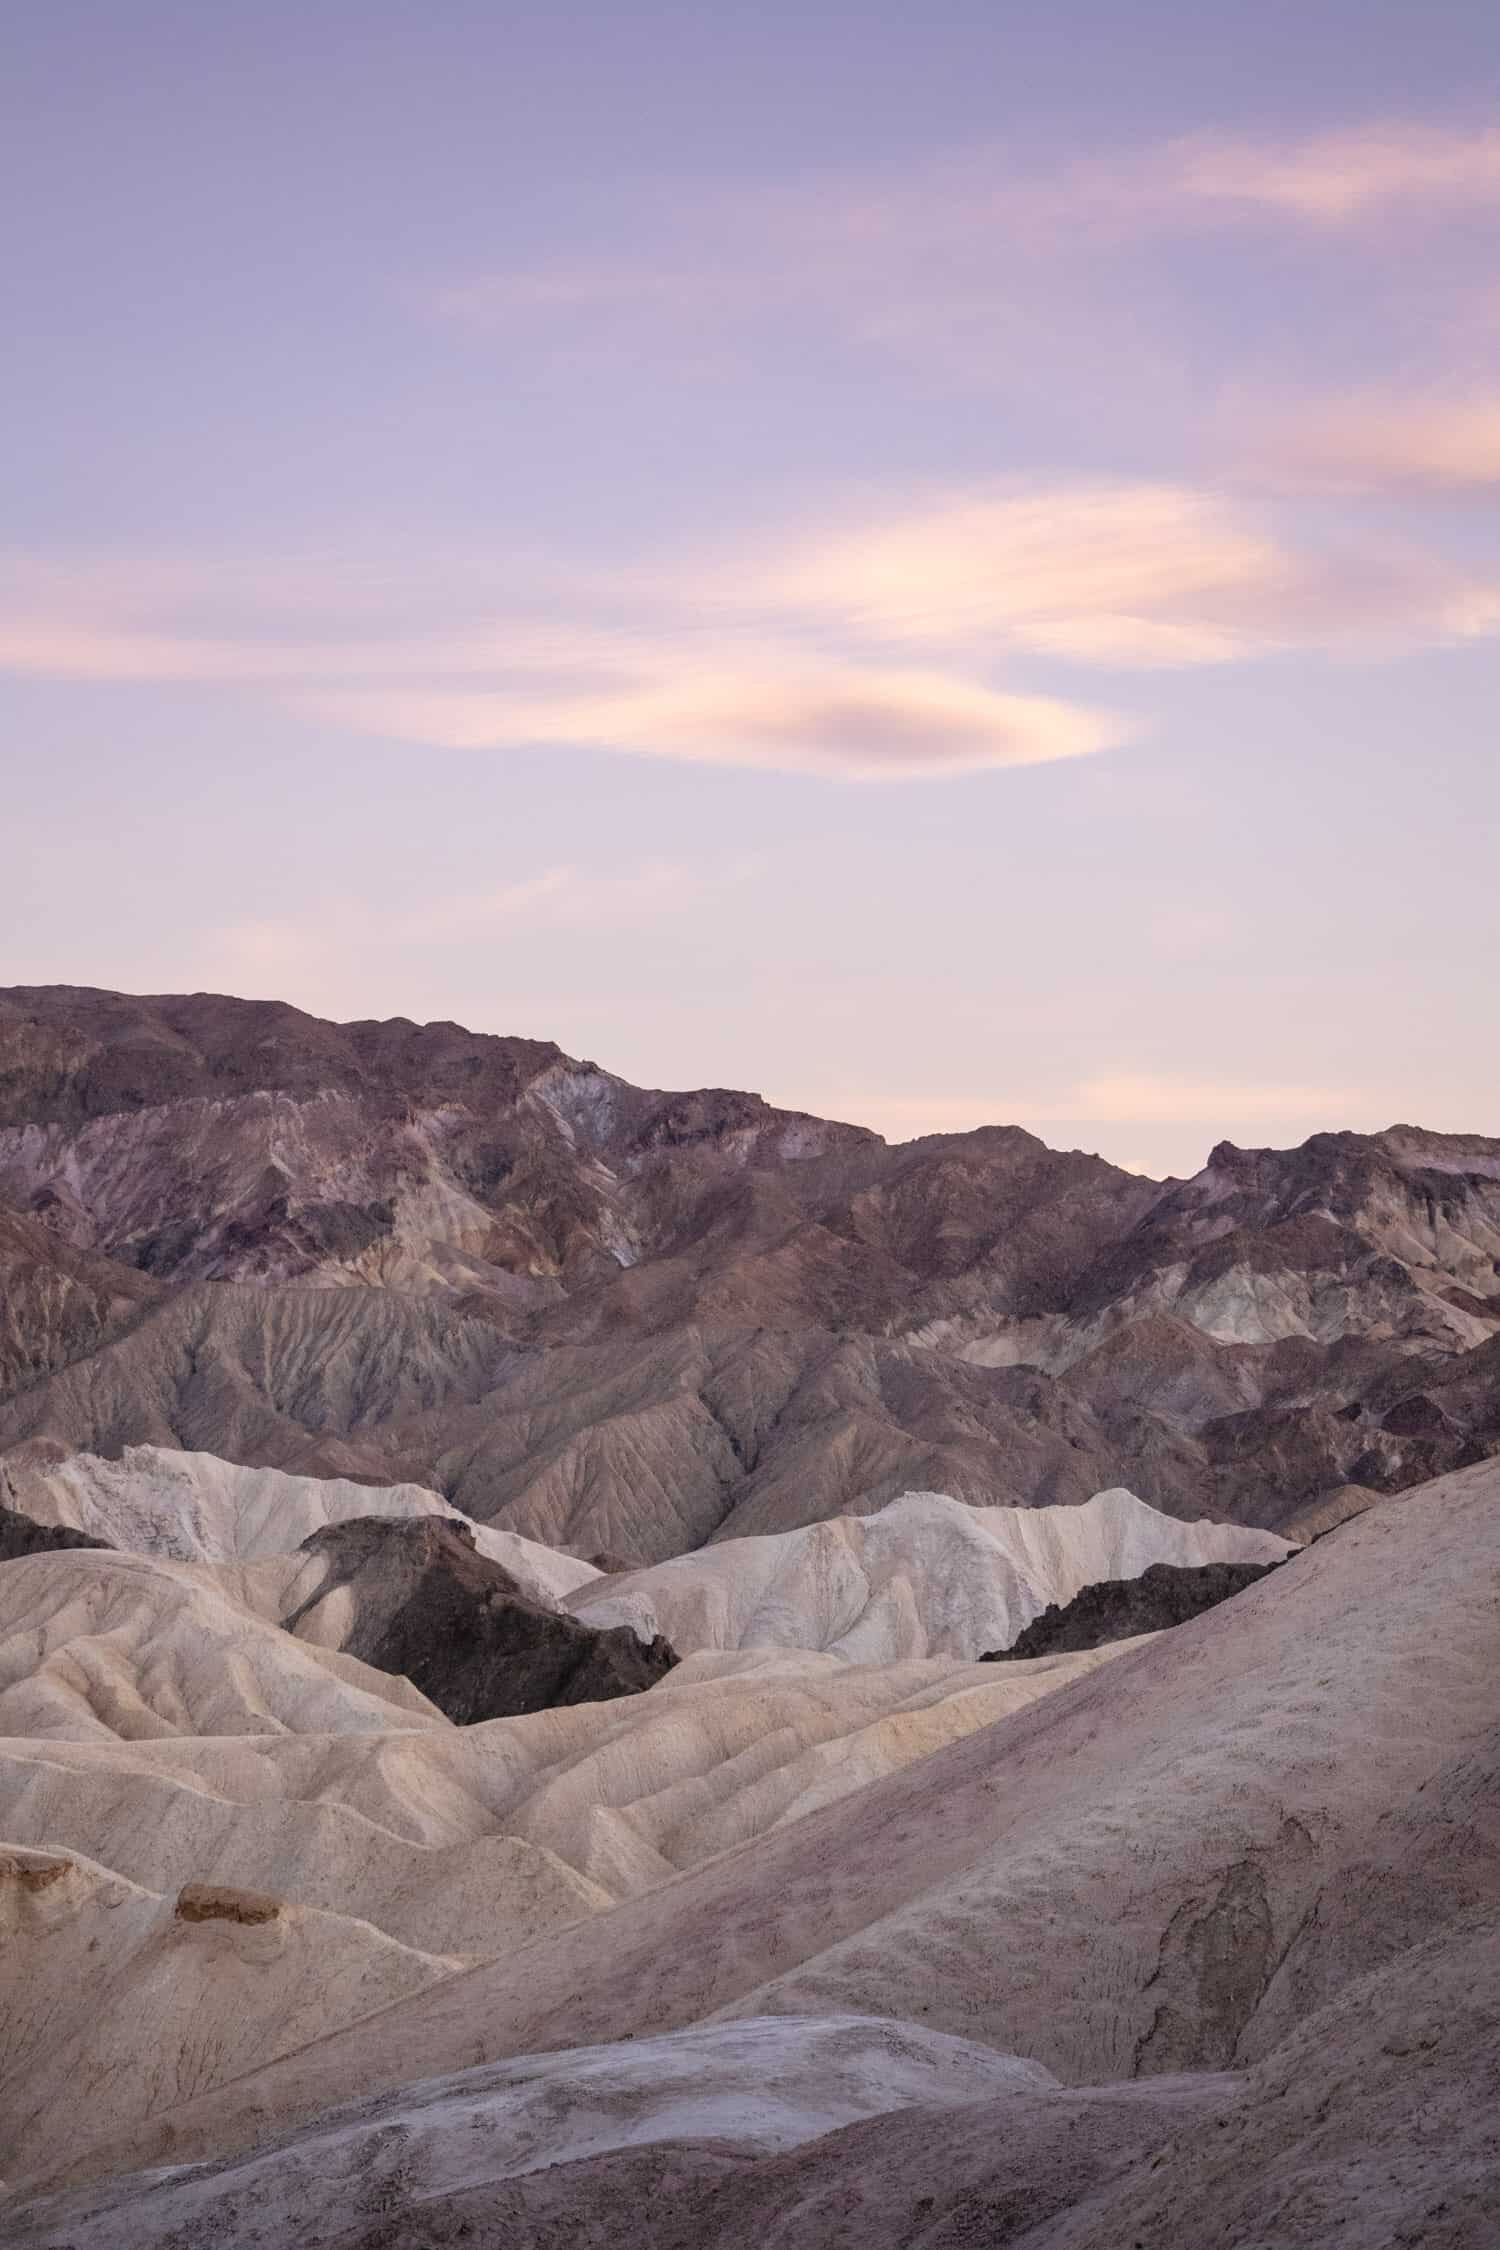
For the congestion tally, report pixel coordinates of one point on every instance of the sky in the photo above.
(940, 564)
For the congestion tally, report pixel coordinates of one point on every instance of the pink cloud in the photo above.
(1370, 443)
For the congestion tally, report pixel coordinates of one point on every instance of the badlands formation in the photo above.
(926, 1576)
(495, 1568)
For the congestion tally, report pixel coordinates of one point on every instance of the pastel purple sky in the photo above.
(939, 563)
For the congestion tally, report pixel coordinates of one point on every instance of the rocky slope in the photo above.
(119, 2000)
(613, 1319)
(1371, 2125)
(1117, 1609)
(1314, 1765)
(1233, 1889)
(418, 1599)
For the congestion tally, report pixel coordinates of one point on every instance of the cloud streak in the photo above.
(941, 227)
(879, 647)
(1371, 443)
(1126, 576)
(1125, 1098)
(851, 723)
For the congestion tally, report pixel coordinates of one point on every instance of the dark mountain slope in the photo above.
(633, 1320)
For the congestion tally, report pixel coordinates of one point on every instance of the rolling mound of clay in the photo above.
(99, 1645)
(924, 1576)
(472, 1840)
(120, 2003)
(762, 2086)
(1371, 2124)
(1168, 1865)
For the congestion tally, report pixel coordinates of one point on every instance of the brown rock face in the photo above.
(627, 1321)
(213, 1902)
(458, 1626)
(33, 1871)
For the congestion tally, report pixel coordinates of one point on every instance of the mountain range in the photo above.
(627, 1323)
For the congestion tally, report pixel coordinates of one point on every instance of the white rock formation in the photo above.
(925, 1576)
(193, 1507)
(452, 1839)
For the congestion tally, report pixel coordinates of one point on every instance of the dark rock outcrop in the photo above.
(426, 1604)
(1119, 1608)
(20, 1536)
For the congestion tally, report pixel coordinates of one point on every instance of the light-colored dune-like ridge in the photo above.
(119, 2002)
(472, 1840)
(104, 1646)
(926, 1575)
(193, 1507)
(760, 2086)
(1167, 1865)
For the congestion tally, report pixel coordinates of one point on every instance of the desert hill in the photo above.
(1240, 1874)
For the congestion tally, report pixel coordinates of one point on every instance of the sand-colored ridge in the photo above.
(472, 1840)
(106, 1646)
(925, 1575)
(1303, 1771)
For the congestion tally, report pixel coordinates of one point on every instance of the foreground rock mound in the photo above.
(1371, 2124)
(1170, 1865)
(1122, 1607)
(120, 2001)
(924, 1576)
(759, 2086)
(419, 1599)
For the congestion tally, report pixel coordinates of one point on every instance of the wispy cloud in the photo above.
(338, 934)
(1392, 444)
(878, 646)
(1328, 178)
(1126, 1098)
(1123, 575)
(851, 722)
(938, 228)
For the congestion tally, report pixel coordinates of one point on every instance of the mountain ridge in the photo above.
(619, 1319)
